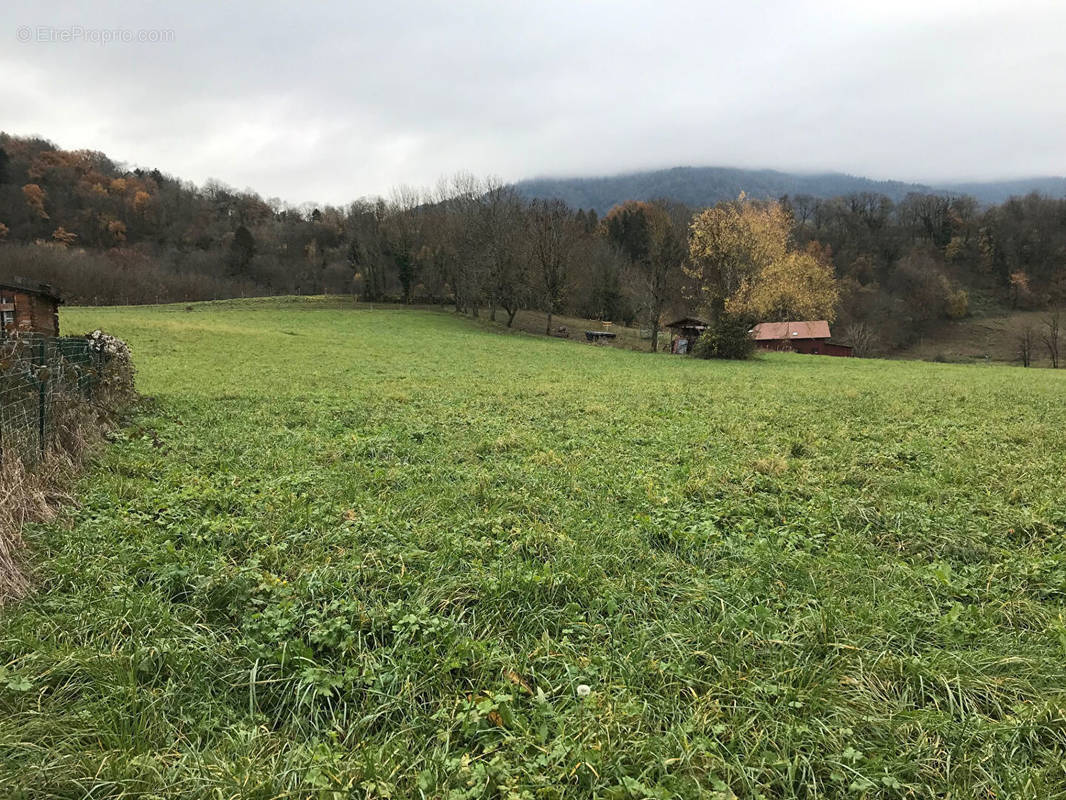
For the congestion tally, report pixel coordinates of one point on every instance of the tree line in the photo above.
(884, 270)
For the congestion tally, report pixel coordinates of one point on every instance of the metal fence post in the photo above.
(42, 393)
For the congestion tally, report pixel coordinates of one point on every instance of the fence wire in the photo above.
(35, 373)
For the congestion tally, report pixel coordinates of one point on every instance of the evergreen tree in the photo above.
(241, 251)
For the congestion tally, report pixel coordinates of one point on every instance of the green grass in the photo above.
(374, 553)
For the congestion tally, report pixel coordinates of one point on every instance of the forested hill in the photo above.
(704, 186)
(993, 193)
(903, 261)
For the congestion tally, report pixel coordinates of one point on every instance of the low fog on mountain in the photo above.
(350, 100)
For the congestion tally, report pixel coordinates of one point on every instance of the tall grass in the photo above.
(34, 479)
(376, 554)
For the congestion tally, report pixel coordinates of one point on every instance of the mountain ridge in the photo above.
(704, 186)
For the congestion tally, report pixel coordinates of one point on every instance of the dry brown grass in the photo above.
(977, 339)
(24, 497)
(34, 493)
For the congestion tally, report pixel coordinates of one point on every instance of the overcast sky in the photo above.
(332, 101)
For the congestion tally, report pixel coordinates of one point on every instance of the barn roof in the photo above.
(810, 329)
(34, 287)
(687, 322)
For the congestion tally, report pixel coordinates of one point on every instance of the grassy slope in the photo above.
(382, 549)
(993, 335)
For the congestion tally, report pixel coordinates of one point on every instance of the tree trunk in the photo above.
(510, 317)
(655, 337)
(717, 309)
(548, 330)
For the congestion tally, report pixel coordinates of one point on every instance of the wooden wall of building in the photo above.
(33, 313)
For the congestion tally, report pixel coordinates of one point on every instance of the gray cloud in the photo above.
(333, 101)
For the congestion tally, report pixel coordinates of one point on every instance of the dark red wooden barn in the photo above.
(811, 337)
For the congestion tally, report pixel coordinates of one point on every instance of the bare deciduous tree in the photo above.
(505, 258)
(401, 237)
(553, 234)
(862, 337)
(1026, 340)
(654, 236)
(1052, 337)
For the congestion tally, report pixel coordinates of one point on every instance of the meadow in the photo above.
(341, 552)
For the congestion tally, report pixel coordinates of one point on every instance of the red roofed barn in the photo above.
(798, 337)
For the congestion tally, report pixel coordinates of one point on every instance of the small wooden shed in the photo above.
(28, 307)
(684, 333)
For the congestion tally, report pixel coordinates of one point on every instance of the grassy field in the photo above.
(350, 553)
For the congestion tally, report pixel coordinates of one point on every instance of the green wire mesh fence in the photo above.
(36, 372)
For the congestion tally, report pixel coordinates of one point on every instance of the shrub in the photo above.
(958, 304)
(114, 375)
(729, 336)
(863, 339)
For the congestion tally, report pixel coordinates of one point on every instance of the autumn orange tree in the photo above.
(741, 262)
(34, 197)
(800, 285)
(63, 237)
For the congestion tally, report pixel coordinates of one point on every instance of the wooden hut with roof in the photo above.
(28, 307)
